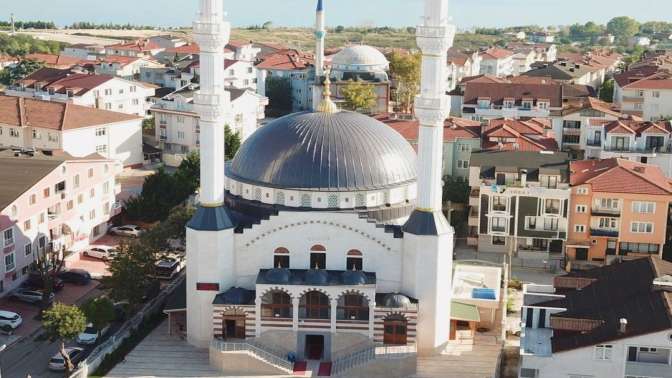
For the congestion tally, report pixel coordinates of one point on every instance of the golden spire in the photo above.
(327, 106)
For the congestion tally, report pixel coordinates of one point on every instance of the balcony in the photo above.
(645, 369)
(597, 211)
(640, 150)
(594, 143)
(604, 232)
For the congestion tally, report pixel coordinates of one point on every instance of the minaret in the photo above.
(428, 237)
(320, 34)
(13, 27)
(210, 232)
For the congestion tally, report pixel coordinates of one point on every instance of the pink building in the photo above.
(58, 201)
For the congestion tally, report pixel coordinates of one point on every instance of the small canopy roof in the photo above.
(464, 312)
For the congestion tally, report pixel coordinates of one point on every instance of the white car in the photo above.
(90, 335)
(9, 321)
(102, 252)
(57, 363)
(127, 230)
(29, 296)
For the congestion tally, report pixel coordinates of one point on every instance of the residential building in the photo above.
(168, 77)
(292, 65)
(523, 59)
(645, 92)
(84, 51)
(245, 51)
(139, 48)
(92, 90)
(177, 124)
(640, 41)
(497, 62)
(461, 65)
(237, 73)
(77, 130)
(571, 73)
(533, 134)
(612, 321)
(619, 208)
(51, 202)
(484, 100)
(579, 127)
(544, 52)
(55, 61)
(126, 67)
(541, 37)
(461, 137)
(519, 203)
(167, 41)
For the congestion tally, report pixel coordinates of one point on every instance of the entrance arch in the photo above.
(395, 330)
(233, 324)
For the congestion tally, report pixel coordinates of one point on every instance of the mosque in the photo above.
(325, 233)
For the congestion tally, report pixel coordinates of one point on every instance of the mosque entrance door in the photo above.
(314, 347)
(234, 327)
(394, 330)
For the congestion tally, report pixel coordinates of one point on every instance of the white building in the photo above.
(95, 91)
(139, 48)
(127, 67)
(237, 73)
(297, 254)
(293, 65)
(497, 62)
(177, 124)
(167, 41)
(78, 130)
(84, 51)
(590, 323)
(461, 65)
(648, 96)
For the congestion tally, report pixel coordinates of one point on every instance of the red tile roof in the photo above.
(575, 106)
(140, 45)
(52, 60)
(530, 135)
(18, 111)
(496, 53)
(190, 49)
(499, 91)
(638, 127)
(288, 59)
(620, 176)
(118, 59)
(454, 128)
(63, 80)
(636, 74)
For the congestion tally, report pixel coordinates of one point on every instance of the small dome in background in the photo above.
(396, 300)
(316, 277)
(361, 56)
(277, 276)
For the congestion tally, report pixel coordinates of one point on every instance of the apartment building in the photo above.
(635, 140)
(619, 208)
(544, 52)
(523, 59)
(648, 97)
(461, 65)
(612, 321)
(461, 137)
(293, 65)
(237, 73)
(579, 126)
(497, 62)
(519, 203)
(483, 100)
(141, 48)
(96, 91)
(60, 61)
(177, 124)
(55, 201)
(504, 134)
(126, 67)
(77, 130)
(84, 51)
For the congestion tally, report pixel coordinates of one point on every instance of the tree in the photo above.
(130, 272)
(48, 264)
(62, 323)
(607, 91)
(267, 25)
(339, 29)
(11, 75)
(231, 142)
(405, 72)
(455, 190)
(148, 123)
(623, 28)
(99, 312)
(279, 93)
(359, 96)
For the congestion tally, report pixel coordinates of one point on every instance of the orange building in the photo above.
(617, 208)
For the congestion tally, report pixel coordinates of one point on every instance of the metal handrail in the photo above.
(355, 359)
(257, 351)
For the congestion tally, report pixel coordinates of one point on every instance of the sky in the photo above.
(465, 13)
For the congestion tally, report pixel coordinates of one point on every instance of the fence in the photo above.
(98, 354)
(257, 350)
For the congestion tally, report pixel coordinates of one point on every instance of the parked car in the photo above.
(168, 267)
(57, 363)
(9, 321)
(30, 296)
(35, 281)
(102, 252)
(75, 276)
(91, 335)
(127, 230)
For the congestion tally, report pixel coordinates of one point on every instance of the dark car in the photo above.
(75, 276)
(34, 281)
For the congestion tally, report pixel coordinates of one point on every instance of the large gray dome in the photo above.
(343, 151)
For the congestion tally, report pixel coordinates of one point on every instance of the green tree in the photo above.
(48, 264)
(279, 93)
(130, 272)
(623, 28)
(405, 72)
(455, 190)
(148, 123)
(11, 75)
(607, 91)
(99, 312)
(232, 142)
(339, 29)
(63, 323)
(359, 96)
(267, 25)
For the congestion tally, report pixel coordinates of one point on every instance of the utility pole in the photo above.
(13, 28)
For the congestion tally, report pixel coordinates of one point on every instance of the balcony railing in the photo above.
(594, 142)
(604, 232)
(597, 210)
(641, 150)
(498, 229)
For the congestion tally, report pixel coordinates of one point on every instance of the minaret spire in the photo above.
(320, 34)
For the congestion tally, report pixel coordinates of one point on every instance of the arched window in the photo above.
(354, 260)
(280, 198)
(352, 307)
(318, 257)
(395, 329)
(314, 305)
(332, 201)
(276, 304)
(281, 258)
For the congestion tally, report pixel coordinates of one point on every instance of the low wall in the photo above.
(387, 367)
(242, 364)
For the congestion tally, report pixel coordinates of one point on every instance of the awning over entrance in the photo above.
(464, 312)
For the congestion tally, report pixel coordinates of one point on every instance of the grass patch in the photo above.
(112, 359)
